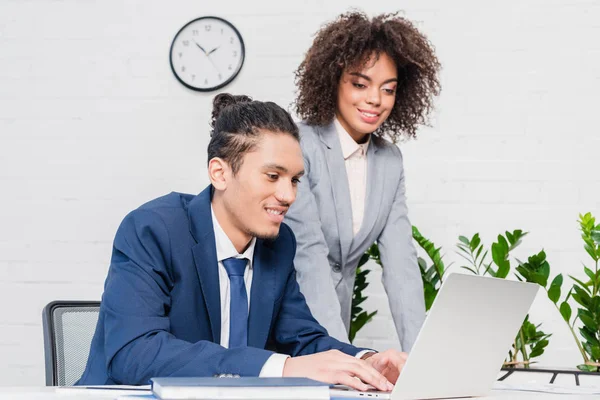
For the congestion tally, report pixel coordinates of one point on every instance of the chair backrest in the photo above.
(68, 330)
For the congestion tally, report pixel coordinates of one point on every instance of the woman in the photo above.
(362, 80)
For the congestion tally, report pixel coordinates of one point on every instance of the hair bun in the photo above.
(224, 100)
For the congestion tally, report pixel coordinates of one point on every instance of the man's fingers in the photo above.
(391, 361)
(369, 375)
(351, 381)
(398, 361)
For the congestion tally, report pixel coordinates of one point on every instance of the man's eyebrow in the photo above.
(370, 80)
(281, 168)
(275, 166)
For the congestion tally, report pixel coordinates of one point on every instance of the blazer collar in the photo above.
(262, 295)
(339, 186)
(200, 216)
(205, 257)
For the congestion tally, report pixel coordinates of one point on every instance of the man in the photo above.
(204, 285)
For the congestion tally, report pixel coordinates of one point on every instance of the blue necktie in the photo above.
(238, 304)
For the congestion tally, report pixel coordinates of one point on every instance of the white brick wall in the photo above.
(92, 124)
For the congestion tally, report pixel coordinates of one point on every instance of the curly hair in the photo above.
(346, 44)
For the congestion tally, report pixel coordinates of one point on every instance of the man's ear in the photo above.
(219, 173)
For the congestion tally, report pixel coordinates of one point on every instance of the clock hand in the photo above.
(209, 59)
(201, 48)
(213, 50)
(213, 63)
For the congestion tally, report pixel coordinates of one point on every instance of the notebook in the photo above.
(239, 388)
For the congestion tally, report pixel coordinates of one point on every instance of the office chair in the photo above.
(68, 330)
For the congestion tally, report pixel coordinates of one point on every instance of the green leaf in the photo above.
(524, 272)
(503, 270)
(363, 259)
(470, 269)
(462, 239)
(541, 344)
(359, 322)
(554, 290)
(497, 254)
(591, 251)
(583, 285)
(595, 352)
(502, 244)
(544, 273)
(430, 273)
(589, 335)
(422, 265)
(595, 306)
(577, 298)
(478, 253)
(517, 235)
(510, 237)
(587, 348)
(538, 349)
(586, 368)
(587, 319)
(430, 292)
(464, 250)
(536, 353)
(584, 297)
(489, 270)
(565, 311)
(595, 234)
(483, 258)
(590, 273)
(475, 242)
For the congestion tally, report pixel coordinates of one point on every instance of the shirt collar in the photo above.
(349, 146)
(226, 249)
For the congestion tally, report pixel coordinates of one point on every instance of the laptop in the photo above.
(463, 342)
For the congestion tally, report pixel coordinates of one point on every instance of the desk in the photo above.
(51, 393)
(56, 393)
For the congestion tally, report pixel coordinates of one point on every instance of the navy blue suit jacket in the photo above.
(161, 314)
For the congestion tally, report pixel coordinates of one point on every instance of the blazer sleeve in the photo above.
(296, 332)
(312, 265)
(135, 304)
(401, 275)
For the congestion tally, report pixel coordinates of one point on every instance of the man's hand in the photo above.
(389, 363)
(333, 366)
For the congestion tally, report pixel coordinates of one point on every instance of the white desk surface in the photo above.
(48, 393)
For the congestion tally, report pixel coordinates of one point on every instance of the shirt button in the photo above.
(336, 267)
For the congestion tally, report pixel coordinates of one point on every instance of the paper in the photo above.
(106, 390)
(104, 387)
(547, 388)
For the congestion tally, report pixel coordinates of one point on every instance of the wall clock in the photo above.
(207, 54)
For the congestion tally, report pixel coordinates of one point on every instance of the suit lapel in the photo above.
(262, 295)
(205, 258)
(340, 187)
(374, 190)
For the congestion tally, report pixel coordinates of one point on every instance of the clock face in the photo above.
(207, 54)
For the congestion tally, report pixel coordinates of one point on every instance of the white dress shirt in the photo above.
(355, 160)
(225, 249)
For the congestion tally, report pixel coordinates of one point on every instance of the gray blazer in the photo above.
(327, 254)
